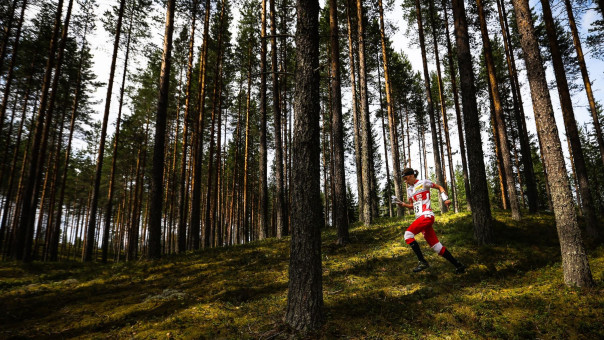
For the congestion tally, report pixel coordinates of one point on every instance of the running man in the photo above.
(418, 193)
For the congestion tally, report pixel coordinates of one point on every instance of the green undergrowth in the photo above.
(512, 290)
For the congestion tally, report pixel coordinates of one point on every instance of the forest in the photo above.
(231, 168)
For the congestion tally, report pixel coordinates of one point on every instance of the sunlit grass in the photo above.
(512, 289)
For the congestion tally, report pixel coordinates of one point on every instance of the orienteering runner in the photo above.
(418, 193)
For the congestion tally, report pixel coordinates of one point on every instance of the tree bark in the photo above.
(443, 109)
(570, 124)
(435, 148)
(212, 189)
(182, 219)
(355, 111)
(281, 224)
(394, 151)
(525, 148)
(262, 218)
(365, 124)
(25, 229)
(198, 138)
(462, 144)
(574, 258)
(116, 141)
(157, 173)
(9, 77)
(479, 195)
(305, 294)
(499, 116)
(87, 256)
(585, 74)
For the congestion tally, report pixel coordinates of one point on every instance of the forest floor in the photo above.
(513, 289)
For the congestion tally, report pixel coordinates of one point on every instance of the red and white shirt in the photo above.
(419, 196)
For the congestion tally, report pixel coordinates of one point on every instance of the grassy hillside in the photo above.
(511, 290)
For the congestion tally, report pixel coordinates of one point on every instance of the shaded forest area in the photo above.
(281, 119)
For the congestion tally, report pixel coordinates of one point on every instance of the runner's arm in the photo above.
(441, 190)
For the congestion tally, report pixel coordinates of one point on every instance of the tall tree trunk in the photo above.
(572, 132)
(160, 140)
(182, 220)
(388, 192)
(116, 141)
(246, 164)
(9, 77)
(462, 145)
(198, 138)
(87, 256)
(262, 218)
(443, 109)
(305, 292)
(479, 195)
(8, 200)
(585, 74)
(498, 156)
(40, 142)
(355, 111)
(7, 27)
(212, 191)
(365, 124)
(340, 218)
(499, 115)
(574, 258)
(281, 225)
(435, 148)
(525, 148)
(394, 147)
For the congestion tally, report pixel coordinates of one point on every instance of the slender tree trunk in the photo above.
(388, 192)
(247, 149)
(479, 195)
(7, 30)
(99, 162)
(182, 220)
(498, 157)
(443, 109)
(281, 224)
(499, 115)
(160, 140)
(340, 219)
(116, 141)
(355, 111)
(570, 124)
(198, 140)
(394, 151)
(585, 74)
(9, 77)
(437, 159)
(38, 154)
(525, 148)
(212, 190)
(462, 144)
(262, 219)
(8, 201)
(305, 293)
(574, 258)
(365, 124)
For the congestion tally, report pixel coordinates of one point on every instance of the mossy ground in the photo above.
(513, 289)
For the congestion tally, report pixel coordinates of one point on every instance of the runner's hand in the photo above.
(447, 203)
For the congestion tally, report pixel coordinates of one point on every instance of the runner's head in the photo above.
(409, 175)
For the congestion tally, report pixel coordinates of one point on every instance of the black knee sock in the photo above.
(451, 259)
(415, 246)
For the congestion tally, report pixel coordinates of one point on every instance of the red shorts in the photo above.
(423, 224)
